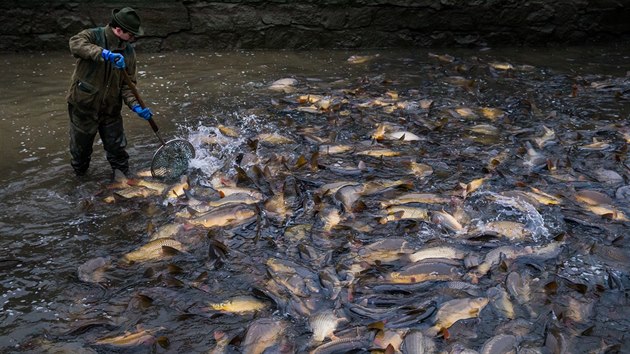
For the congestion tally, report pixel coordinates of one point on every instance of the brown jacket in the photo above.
(97, 88)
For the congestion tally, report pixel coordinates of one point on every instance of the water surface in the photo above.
(53, 223)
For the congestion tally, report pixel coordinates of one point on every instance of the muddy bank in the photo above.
(276, 24)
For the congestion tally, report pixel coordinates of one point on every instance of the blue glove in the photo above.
(144, 113)
(117, 59)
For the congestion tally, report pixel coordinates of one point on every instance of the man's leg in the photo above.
(114, 141)
(82, 133)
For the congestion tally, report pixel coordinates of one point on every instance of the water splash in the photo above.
(533, 219)
(214, 149)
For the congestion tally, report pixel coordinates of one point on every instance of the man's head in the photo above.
(126, 23)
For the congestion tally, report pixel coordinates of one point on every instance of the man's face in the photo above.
(124, 35)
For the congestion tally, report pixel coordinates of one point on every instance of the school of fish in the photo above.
(428, 214)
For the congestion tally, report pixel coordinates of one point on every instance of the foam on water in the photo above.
(533, 219)
(213, 150)
(209, 158)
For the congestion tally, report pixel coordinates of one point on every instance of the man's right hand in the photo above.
(144, 113)
(117, 59)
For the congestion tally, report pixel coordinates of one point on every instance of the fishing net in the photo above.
(171, 160)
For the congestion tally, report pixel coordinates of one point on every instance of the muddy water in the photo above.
(53, 224)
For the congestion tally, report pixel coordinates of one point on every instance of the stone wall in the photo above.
(172, 25)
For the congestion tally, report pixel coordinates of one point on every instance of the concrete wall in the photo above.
(170, 25)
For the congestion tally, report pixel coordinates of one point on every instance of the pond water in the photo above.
(512, 161)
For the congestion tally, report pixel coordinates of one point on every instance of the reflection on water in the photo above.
(455, 195)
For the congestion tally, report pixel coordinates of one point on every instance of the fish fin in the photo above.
(407, 184)
(185, 316)
(380, 326)
(173, 268)
(163, 341)
(445, 333)
(150, 228)
(149, 273)
(144, 301)
(201, 277)
(398, 214)
(170, 251)
(301, 161)
(390, 349)
(132, 181)
(266, 172)
(241, 175)
(217, 251)
(218, 335)
(313, 161)
(174, 282)
(253, 144)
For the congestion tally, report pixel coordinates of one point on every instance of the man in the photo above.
(98, 90)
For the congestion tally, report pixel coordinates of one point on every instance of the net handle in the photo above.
(136, 94)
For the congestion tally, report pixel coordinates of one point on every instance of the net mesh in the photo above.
(171, 160)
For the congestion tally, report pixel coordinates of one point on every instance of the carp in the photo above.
(229, 215)
(239, 304)
(455, 310)
(153, 250)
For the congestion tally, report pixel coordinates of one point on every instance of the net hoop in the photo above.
(171, 160)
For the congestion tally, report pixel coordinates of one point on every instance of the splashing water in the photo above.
(534, 220)
(211, 156)
(214, 149)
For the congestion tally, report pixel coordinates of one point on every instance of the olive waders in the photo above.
(83, 129)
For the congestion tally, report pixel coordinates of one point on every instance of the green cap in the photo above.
(128, 19)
